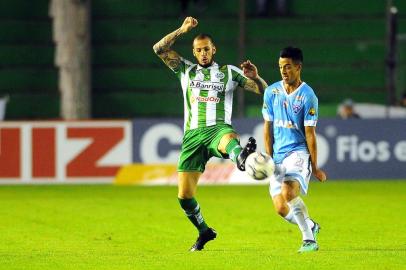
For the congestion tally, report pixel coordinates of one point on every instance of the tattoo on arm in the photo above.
(171, 59)
(166, 42)
(251, 85)
(163, 49)
(257, 85)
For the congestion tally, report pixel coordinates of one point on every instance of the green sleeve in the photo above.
(238, 76)
(181, 69)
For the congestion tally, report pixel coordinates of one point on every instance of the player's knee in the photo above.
(185, 194)
(225, 140)
(282, 210)
(187, 185)
(288, 195)
(230, 136)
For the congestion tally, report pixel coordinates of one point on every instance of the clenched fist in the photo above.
(188, 24)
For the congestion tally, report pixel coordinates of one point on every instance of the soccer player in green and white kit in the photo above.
(208, 97)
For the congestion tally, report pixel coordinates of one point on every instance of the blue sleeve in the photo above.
(267, 110)
(311, 110)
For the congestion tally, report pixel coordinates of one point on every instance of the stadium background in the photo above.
(344, 45)
(141, 227)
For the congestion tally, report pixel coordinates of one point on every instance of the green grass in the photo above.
(111, 227)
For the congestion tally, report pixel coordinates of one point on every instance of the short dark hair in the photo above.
(293, 53)
(203, 36)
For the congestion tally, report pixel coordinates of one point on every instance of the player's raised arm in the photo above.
(312, 146)
(163, 47)
(254, 83)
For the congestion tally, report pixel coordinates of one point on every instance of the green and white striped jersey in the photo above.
(208, 93)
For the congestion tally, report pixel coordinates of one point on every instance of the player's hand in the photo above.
(320, 175)
(249, 69)
(188, 24)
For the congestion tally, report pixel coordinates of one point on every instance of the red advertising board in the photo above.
(51, 151)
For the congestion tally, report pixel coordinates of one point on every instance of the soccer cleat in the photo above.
(308, 246)
(315, 230)
(203, 238)
(249, 148)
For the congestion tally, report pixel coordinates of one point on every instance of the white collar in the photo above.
(286, 92)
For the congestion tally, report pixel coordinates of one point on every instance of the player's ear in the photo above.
(214, 49)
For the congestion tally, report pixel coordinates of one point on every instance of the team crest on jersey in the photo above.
(275, 91)
(297, 105)
(220, 75)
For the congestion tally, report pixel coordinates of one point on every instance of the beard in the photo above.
(208, 64)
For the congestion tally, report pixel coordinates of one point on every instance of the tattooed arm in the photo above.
(163, 47)
(254, 83)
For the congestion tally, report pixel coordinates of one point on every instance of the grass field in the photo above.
(110, 227)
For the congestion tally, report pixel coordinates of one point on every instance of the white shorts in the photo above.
(295, 167)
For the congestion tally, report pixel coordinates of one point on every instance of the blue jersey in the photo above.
(290, 113)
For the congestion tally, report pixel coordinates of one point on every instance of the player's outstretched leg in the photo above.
(203, 238)
(249, 148)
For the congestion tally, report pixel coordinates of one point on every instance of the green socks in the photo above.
(192, 211)
(233, 149)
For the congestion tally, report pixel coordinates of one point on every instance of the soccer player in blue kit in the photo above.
(290, 111)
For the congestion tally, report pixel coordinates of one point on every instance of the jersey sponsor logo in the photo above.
(204, 99)
(312, 111)
(219, 87)
(220, 75)
(285, 124)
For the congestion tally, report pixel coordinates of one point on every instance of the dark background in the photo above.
(343, 41)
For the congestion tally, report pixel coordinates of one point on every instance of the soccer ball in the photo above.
(259, 166)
